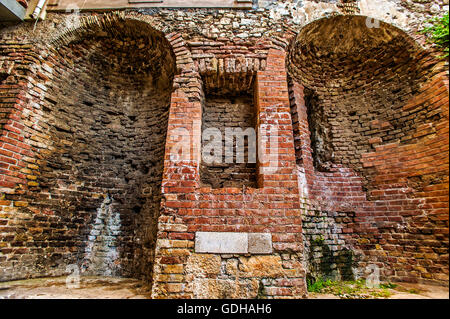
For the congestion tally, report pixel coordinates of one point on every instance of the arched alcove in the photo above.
(355, 73)
(376, 105)
(104, 126)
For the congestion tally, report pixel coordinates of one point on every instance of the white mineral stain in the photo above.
(101, 251)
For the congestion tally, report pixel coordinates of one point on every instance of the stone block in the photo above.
(233, 243)
(260, 243)
(203, 265)
(221, 243)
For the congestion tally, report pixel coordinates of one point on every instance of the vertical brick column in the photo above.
(303, 131)
(180, 182)
(273, 109)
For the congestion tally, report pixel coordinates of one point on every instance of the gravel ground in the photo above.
(89, 288)
(124, 288)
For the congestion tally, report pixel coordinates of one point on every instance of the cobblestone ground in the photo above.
(124, 288)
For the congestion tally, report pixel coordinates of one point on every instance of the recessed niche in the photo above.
(229, 151)
(108, 127)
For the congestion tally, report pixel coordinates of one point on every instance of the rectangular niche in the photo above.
(232, 112)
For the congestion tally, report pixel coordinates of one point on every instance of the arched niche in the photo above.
(356, 72)
(376, 105)
(103, 129)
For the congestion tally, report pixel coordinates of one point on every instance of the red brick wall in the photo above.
(13, 88)
(401, 224)
(371, 139)
(389, 208)
(19, 165)
(55, 118)
(189, 208)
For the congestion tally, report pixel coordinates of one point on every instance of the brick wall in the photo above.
(82, 171)
(235, 113)
(374, 189)
(400, 226)
(272, 208)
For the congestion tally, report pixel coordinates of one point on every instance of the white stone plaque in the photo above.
(233, 243)
(221, 243)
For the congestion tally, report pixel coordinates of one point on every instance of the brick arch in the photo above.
(91, 24)
(371, 148)
(83, 66)
(366, 29)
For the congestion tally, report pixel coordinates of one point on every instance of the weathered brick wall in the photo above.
(386, 206)
(110, 131)
(327, 251)
(272, 208)
(16, 61)
(93, 136)
(362, 105)
(234, 113)
(363, 169)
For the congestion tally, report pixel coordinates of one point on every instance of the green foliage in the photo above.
(382, 293)
(319, 240)
(388, 285)
(318, 285)
(349, 289)
(438, 32)
(413, 291)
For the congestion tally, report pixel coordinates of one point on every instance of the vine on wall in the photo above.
(438, 32)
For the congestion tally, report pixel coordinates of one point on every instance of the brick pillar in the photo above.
(180, 181)
(270, 211)
(274, 111)
(303, 132)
